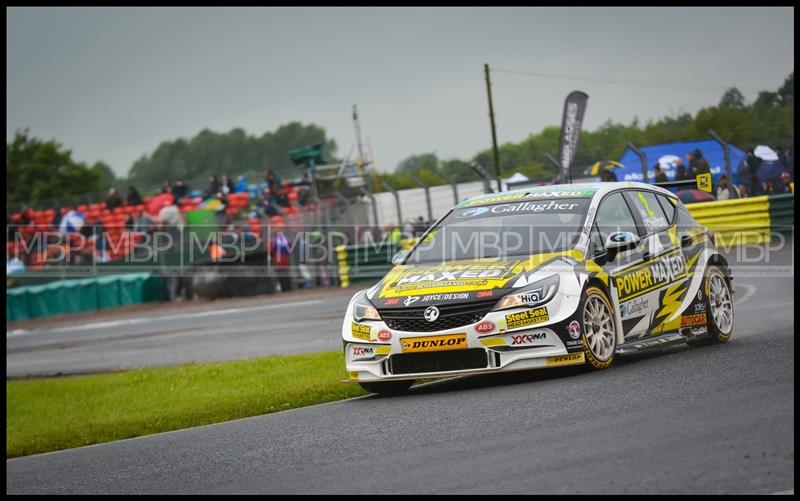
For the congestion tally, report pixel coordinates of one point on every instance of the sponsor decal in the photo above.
(445, 297)
(434, 343)
(700, 307)
(574, 330)
(571, 344)
(699, 331)
(363, 351)
(472, 212)
(632, 308)
(391, 301)
(450, 276)
(481, 294)
(571, 359)
(647, 277)
(360, 331)
(528, 339)
(534, 207)
(410, 300)
(700, 294)
(384, 335)
(696, 319)
(530, 193)
(485, 327)
(527, 317)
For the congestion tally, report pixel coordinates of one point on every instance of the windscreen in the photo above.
(503, 230)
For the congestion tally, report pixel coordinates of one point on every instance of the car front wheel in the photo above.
(599, 333)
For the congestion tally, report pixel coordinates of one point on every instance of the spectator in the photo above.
(214, 185)
(241, 184)
(609, 175)
(179, 189)
(723, 191)
(134, 198)
(698, 165)
(769, 187)
(281, 259)
(787, 185)
(227, 185)
(113, 200)
(14, 264)
(680, 170)
(170, 217)
(753, 163)
(278, 196)
(659, 175)
(419, 226)
(56, 217)
(742, 191)
(272, 179)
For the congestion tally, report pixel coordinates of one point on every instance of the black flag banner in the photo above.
(574, 108)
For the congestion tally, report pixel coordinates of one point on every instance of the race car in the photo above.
(541, 277)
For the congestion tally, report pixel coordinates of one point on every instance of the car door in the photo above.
(661, 274)
(614, 215)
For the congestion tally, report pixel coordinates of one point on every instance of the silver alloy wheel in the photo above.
(599, 327)
(721, 305)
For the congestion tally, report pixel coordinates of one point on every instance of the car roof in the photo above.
(555, 191)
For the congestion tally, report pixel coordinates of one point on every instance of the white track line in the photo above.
(131, 321)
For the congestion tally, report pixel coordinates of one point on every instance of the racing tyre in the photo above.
(719, 305)
(388, 387)
(599, 332)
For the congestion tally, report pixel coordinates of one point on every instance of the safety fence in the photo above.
(81, 295)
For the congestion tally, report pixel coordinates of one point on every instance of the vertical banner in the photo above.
(574, 108)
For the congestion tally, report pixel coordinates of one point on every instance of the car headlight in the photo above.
(532, 295)
(363, 309)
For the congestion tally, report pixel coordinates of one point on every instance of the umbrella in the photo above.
(71, 222)
(691, 196)
(596, 168)
(765, 153)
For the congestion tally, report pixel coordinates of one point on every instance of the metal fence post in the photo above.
(396, 201)
(555, 164)
(453, 184)
(487, 187)
(727, 156)
(427, 195)
(369, 195)
(642, 159)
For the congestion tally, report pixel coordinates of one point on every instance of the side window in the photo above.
(684, 220)
(650, 211)
(596, 244)
(613, 216)
(669, 209)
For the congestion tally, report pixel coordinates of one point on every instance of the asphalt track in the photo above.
(716, 419)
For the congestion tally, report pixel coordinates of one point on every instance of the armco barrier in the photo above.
(80, 295)
(359, 264)
(746, 220)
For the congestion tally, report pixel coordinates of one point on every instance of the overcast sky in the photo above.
(112, 83)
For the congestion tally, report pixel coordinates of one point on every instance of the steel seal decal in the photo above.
(434, 343)
(360, 331)
(526, 318)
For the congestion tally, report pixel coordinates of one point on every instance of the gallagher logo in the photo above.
(473, 212)
(484, 327)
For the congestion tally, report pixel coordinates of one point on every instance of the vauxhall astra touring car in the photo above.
(541, 277)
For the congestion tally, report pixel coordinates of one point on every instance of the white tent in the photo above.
(515, 178)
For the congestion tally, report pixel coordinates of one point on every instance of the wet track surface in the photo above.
(717, 419)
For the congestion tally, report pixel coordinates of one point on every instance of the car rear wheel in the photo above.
(599, 333)
(388, 387)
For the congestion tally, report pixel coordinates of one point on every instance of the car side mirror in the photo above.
(620, 242)
(399, 257)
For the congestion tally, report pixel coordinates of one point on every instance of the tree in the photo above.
(732, 98)
(107, 177)
(38, 169)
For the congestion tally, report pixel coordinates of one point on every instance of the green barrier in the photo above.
(108, 292)
(130, 288)
(17, 307)
(41, 301)
(65, 296)
(87, 295)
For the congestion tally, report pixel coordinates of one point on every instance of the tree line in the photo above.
(39, 169)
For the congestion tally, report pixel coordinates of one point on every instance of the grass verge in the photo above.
(59, 413)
